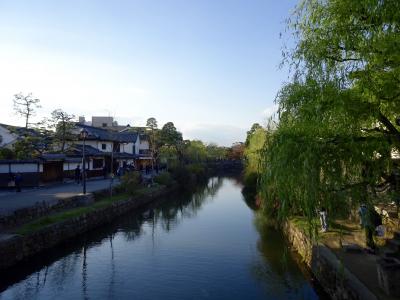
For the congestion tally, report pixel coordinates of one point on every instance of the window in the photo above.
(97, 163)
(103, 146)
(104, 124)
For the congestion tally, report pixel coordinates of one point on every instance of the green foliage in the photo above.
(195, 151)
(168, 155)
(164, 178)
(169, 135)
(69, 214)
(253, 153)
(254, 149)
(130, 182)
(152, 123)
(32, 146)
(337, 126)
(198, 170)
(61, 124)
(189, 175)
(253, 129)
(6, 153)
(214, 152)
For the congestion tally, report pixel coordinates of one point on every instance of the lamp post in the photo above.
(83, 135)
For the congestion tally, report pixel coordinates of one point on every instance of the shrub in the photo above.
(164, 178)
(130, 182)
(187, 175)
(6, 153)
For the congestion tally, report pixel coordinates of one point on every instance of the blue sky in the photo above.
(210, 66)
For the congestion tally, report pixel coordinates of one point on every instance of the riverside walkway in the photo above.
(10, 201)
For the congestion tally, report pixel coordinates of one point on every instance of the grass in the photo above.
(335, 229)
(102, 202)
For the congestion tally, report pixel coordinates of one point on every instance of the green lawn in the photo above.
(75, 212)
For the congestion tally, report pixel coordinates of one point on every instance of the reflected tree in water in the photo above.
(277, 263)
(171, 212)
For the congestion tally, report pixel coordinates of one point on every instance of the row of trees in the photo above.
(338, 130)
(53, 133)
(167, 144)
(37, 138)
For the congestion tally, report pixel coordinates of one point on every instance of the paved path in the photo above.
(10, 201)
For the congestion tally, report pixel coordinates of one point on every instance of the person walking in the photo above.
(362, 213)
(18, 180)
(78, 174)
(323, 218)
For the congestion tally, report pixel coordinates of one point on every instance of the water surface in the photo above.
(203, 245)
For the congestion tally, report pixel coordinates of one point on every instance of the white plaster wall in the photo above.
(137, 145)
(4, 168)
(97, 145)
(71, 166)
(24, 168)
(109, 146)
(128, 148)
(144, 145)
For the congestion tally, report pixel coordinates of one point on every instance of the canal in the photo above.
(201, 245)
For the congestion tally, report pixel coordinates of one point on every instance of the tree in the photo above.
(214, 152)
(337, 127)
(152, 123)
(236, 151)
(254, 150)
(154, 146)
(169, 136)
(62, 124)
(253, 128)
(6, 153)
(195, 151)
(32, 146)
(25, 106)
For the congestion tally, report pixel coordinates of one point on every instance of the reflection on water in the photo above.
(203, 245)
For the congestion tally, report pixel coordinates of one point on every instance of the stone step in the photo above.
(390, 254)
(394, 245)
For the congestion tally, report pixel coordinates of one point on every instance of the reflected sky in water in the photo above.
(203, 245)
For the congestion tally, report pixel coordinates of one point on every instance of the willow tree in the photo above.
(337, 129)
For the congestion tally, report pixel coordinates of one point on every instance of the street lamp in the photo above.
(83, 135)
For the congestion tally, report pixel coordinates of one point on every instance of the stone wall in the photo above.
(16, 248)
(40, 209)
(334, 278)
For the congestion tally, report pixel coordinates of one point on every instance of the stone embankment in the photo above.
(332, 275)
(16, 248)
(40, 209)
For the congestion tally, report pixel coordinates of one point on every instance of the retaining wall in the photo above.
(332, 275)
(16, 248)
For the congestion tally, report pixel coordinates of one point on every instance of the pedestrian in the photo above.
(362, 213)
(18, 180)
(78, 174)
(323, 219)
(119, 171)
